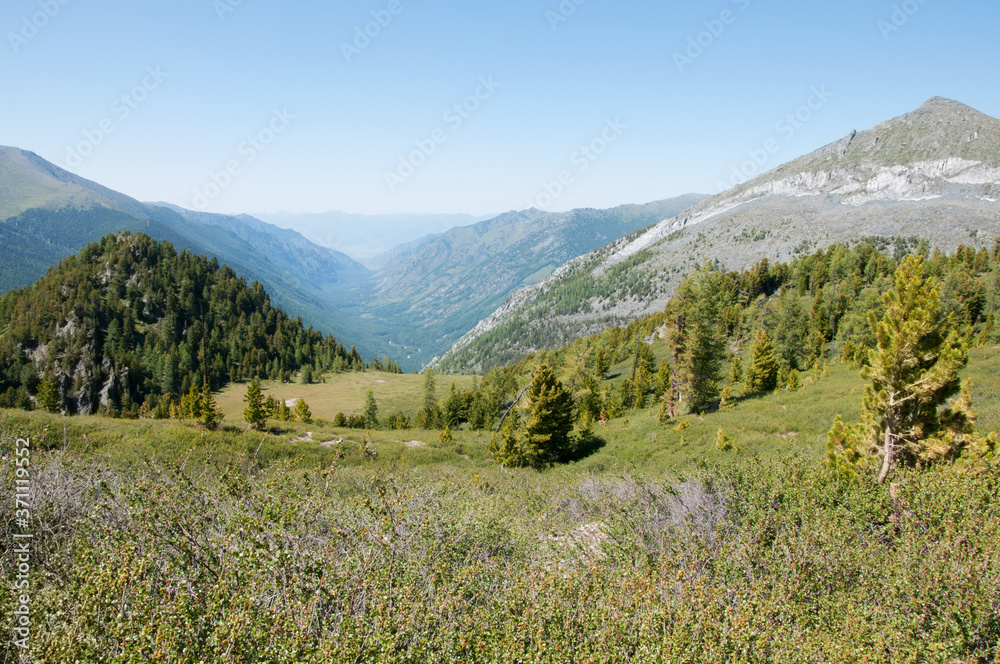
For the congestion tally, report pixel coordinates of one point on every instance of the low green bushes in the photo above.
(781, 561)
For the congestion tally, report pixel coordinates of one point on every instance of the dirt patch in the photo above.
(580, 545)
(413, 444)
(331, 443)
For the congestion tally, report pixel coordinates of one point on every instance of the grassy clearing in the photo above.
(773, 425)
(345, 393)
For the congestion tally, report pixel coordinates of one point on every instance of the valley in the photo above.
(739, 422)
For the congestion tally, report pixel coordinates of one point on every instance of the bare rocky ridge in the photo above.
(933, 173)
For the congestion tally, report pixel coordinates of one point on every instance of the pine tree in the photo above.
(762, 375)
(429, 415)
(507, 449)
(302, 412)
(430, 395)
(663, 385)
(371, 410)
(727, 398)
(255, 414)
(602, 363)
(270, 407)
(545, 438)
(209, 413)
(722, 442)
(794, 382)
(48, 395)
(912, 373)
(641, 388)
(736, 371)
(190, 407)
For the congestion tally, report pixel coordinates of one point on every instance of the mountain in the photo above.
(430, 296)
(130, 321)
(387, 258)
(423, 297)
(366, 236)
(47, 213)
(932, 174)
(288, 250)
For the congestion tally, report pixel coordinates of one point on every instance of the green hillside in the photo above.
(130, 325)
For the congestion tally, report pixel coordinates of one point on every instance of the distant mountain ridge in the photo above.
(423, 297)
(443, 287)
(288, 249)
(364, 236)
(932, 173)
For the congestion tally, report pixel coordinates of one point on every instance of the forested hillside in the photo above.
(736, 334)
(131, 323)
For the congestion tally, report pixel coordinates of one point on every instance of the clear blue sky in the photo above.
(559, 86)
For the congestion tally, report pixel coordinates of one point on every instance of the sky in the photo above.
(441, 106)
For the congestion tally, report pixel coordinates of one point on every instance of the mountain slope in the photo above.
(130, 320)
(425, 296)
(431, 296)
(52, 214)
(288, 250)
(933, 173)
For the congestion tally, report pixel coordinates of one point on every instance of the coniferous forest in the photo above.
(130, 325)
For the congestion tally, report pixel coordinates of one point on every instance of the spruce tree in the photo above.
(762, 374)
(255, 414)
(550, 419)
